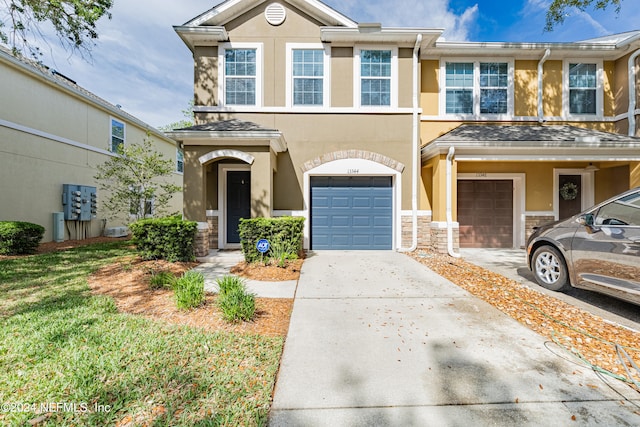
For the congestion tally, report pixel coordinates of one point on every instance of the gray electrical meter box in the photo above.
(80, 202)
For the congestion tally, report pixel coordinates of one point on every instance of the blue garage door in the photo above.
(351, 212)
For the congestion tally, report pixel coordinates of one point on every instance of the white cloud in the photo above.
(411, 13)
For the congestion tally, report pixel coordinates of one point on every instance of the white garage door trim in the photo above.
(519, 192)
(354, 167)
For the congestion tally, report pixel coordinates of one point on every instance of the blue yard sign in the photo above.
(262, 246)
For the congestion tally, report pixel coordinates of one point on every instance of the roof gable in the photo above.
(232, 9)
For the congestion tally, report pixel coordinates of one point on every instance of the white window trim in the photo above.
(124, 133)
(476, 89)
(357, 99)
(178, 150)
(599, 88)
(259, 71)
(326, 79)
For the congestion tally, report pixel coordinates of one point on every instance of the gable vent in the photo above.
(275, 14)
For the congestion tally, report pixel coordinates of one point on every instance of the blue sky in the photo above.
(140, 63)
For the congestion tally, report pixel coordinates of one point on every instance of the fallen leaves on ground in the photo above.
(578, 331)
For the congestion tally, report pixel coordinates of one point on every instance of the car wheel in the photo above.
(549, 268)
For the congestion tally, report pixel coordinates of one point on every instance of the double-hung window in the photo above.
(583, 88)
(179, 160)
(477, 88)
(376, 77)
(117, 135)
(308, 76)
(241, 81)
(494, 84)
(459, 83)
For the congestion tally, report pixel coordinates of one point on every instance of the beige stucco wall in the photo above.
(429, 87)
(205, 75)
(526, 88)
(33, 168)
(342, 66)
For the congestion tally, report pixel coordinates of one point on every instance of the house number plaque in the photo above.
(353, 171)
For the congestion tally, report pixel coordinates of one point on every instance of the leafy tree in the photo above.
(188, 120)
(74, 22)
(558, 10)
(136, 182)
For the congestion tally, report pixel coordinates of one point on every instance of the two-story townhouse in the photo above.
(54, 132)
(530, 132)
(301, 111)
(388, 138)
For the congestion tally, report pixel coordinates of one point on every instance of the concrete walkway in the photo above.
(378, 339)
(219, 263)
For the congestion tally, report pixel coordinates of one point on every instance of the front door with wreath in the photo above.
(570, 195)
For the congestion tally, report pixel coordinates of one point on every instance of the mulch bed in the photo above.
(128, 284)
(271, 272)
(578, 331)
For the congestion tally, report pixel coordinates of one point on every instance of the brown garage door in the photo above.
(485, 213)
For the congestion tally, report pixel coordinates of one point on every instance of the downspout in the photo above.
(632, 93)
(450, 154)
(416, 148)
(540, 91)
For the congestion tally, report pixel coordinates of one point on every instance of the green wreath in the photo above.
(569, 191)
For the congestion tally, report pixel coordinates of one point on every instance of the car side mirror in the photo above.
(588, 221)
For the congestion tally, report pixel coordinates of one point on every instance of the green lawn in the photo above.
(64, 348)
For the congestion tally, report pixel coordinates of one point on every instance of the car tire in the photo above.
(549, 268)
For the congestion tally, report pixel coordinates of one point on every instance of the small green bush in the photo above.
(283, 233)
(162, 280)
(189, 290)
(17, 238)
(234, 301)
(168, 238)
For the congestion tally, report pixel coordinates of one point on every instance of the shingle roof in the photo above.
(231, 125)
(524, 133)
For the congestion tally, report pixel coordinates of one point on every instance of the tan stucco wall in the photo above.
(526, 88)
(205, 75)
(342, 66)
(429, 87)
(609, 88)
(611, 181)
(552, 88)
(405, 80)
(34, 168)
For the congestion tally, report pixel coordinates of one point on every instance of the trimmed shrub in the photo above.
(168, 238)
(283, 233)
(17, 238)
(189, 290)
(234, 301)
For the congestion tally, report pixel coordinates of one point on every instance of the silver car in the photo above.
(598, 249)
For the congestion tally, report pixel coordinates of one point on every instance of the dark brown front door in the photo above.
(485, 213)
(570, 195)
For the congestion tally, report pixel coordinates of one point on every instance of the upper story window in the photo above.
(582, 88)
(377, 71)
(179, 160)
(459, 83)
(494, 84)
(241, 77)
(308, 69)
(477, 88)
(117, 135)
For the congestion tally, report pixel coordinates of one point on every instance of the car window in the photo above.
(624, 211)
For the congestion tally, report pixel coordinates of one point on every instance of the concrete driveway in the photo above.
(512, 264)
(378, 339)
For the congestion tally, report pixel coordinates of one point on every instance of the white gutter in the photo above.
(540, 88)
(416, 148)
(450, 154)
(632, 93)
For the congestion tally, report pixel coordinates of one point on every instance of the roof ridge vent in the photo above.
(275, 14)
(587, 139)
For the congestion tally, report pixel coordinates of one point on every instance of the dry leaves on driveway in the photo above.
(578, 331)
